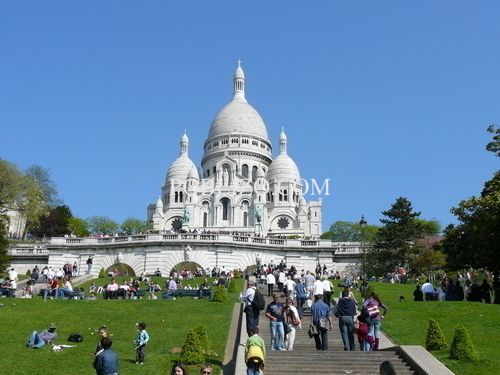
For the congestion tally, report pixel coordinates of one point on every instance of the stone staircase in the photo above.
(305, 359)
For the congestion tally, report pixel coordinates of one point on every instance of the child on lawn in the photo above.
(141, 342)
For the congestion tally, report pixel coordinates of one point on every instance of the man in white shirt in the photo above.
(428, 290)
(289, 287)
(12, 274)
(318, 287)
(327, 289)
(270, 281)
(251, 314)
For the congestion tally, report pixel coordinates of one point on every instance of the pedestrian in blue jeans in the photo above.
(275, 312)
(345, 310)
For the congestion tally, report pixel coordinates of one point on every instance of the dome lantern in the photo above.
(239, 83)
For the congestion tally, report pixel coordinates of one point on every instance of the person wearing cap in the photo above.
(37, 340)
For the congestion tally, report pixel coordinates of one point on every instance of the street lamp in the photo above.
(362, 224)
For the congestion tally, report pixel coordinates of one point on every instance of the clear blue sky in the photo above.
(385, 98)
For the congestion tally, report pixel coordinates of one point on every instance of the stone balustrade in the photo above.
(28, 251)
(340, 248)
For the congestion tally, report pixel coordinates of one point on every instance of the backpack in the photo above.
(258, 301)
(75, 337)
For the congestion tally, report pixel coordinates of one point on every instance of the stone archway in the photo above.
(119, 269)
(195, 268)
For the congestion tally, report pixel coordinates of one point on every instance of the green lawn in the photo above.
(168, 322)
(406, 324)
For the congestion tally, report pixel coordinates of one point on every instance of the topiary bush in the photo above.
(202, 337)
(102, 273)
(462, 346)
(232, 287)
(28, 273)
(192, 351)
(435, 339)
(220, 294)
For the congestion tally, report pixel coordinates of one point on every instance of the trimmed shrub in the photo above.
(462, 347)
(220, 294)
(232, 287)
(102, 273)
(28, 273)
(202, 337)
(192, 351)
(435, 339)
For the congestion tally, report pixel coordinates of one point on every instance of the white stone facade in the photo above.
(242, 188)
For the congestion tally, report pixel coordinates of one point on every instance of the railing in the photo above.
(309, 243)
(340, 248)
(274, 241)
(35, 250)
(240, 239)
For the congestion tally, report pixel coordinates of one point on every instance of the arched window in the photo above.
(180, 196)
(254, 173)
(176, 197)
(245, 219)
(244, 170)
(285, 195)
(225, 208)
(205, 219)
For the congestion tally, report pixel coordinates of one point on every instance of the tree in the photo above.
(346, 231)
(27, 193)
(102, 225)
(428, 261)
(56, 223)
(11, 183)
(494, 145)
(78, 227)
(48, 188)
(429, 227)
(134, 226)
(475, 240)
(4, 257)
(394, 245)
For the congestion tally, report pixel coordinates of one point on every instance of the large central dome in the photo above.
(238, 116)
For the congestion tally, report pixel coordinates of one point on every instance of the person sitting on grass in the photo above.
(37, 340)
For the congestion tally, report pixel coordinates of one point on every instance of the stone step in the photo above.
(305, 359)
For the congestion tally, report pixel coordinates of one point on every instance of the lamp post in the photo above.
(362, 224)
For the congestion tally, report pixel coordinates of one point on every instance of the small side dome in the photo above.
(180, 168)
(283, 169)
(193, 173)
(159, 203)
(261, 173)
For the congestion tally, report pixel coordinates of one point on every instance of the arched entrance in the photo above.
(119, 269)
(186, 268)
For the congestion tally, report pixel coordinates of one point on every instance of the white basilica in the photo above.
(243, 187)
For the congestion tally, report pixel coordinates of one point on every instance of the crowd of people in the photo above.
(313, 291)
(452, 290)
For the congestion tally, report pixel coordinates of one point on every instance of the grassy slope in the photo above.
(168, 324)
(407, 322)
